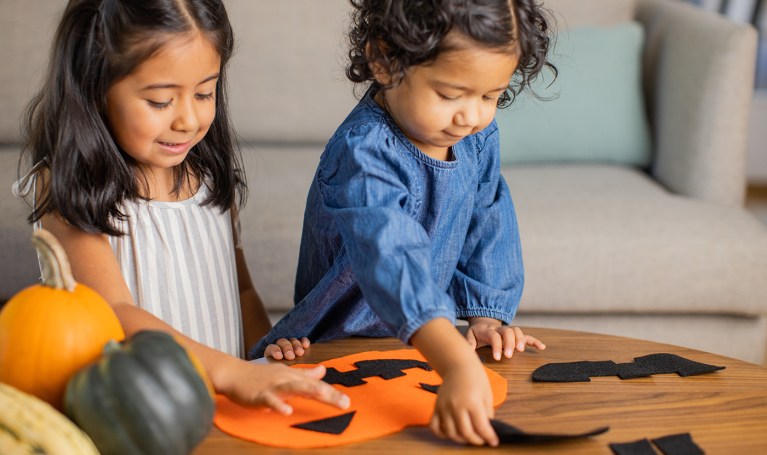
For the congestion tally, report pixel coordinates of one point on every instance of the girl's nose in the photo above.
(186, 117)
(469, 115)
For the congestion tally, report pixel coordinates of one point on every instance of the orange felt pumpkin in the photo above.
(51, 330)
(389, 390)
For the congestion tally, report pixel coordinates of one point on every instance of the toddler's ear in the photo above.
(374, 54)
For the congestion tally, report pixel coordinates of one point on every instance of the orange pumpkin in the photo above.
(51, 330)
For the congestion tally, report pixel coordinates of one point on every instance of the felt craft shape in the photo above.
(386, 394)
(642, 366)
(675, 444)
(509, 434)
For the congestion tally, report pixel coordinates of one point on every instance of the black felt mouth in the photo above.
(509, 434)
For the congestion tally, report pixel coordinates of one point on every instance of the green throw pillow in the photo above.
(598, 113)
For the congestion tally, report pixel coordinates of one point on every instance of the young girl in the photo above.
(136, 173)
(409, 223)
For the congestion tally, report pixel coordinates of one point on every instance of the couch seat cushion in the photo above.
(599, 238)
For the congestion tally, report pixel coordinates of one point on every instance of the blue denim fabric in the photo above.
(393, 238)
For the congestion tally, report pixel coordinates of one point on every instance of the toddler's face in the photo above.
(166, 105)
(438, 104)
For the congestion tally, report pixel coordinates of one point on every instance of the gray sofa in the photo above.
(663, 252)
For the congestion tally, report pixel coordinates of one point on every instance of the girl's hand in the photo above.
(268, 385)
(287, 349)
(501, 338)
(464, 406)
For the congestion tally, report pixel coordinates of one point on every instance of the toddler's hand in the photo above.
(464, 407)
(268, 385)
(287, 349)
(501, 338)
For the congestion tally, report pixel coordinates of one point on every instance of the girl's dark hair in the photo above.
(398, 34)
(97, 43)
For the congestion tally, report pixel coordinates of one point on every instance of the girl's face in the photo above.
(166, 105)
(438, 104)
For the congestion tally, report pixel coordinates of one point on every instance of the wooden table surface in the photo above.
(725, 411)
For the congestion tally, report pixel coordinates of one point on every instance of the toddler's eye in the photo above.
(204, 96)
(159, 104)
(447, 98)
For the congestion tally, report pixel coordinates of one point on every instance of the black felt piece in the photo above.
(678, 444)
(573, 371)
(672, 363)
(429, 387)
(331, 425)
(384, 368)
(642, 366)
(634, 370)
(641, 447)
(509, 434)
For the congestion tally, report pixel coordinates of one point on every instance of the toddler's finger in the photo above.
(298, 348)
(436, 426)
(450, 431)
(467, 431)
(472, 339)
(508, 341)
(287, 348)
(305, 342)
(496, 343)
(482, 426)
(317, 372)
(274, 351)
(532, 341)
(520, 339)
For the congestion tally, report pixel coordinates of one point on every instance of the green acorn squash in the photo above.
(145, 396)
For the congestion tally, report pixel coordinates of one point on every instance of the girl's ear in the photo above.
(379, 70)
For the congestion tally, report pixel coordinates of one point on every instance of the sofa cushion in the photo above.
(607, 239)
(593, 111)
(26, 30)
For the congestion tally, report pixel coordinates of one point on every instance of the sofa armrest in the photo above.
(699, 77)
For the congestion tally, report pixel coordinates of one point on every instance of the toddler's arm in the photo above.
(464, 404)
(94, 264)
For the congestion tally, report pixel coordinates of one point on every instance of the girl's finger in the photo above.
(317, 390)
(273, 401)
(305, 342)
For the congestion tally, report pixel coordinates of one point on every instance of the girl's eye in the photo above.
(493, 99)
(447, 98)
(204, 96)
(159, 104)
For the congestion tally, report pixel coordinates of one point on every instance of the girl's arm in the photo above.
(94, 264)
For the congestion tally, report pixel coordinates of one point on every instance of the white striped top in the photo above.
(178, 261)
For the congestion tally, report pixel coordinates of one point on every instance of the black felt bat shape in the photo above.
(509, 434)
(642, 366)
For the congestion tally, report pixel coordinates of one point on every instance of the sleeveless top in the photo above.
(178, 261)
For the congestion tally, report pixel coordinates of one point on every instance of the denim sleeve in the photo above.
(489, 277)
(362, 183)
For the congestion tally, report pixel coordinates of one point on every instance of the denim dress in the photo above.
(393, 238)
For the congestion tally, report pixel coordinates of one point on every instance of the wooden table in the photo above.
(725, 411)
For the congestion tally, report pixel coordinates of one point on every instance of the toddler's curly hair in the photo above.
(398, 34)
